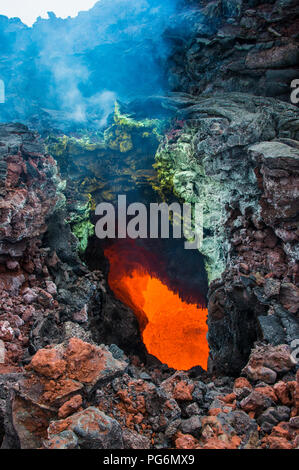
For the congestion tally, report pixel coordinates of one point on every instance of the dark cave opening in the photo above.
(151, 269)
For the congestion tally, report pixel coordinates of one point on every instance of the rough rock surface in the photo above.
(59, 380)
(88, 429)
(117, 404)
(29, 194)
(227, 46)
(238, 156)
(43, 283)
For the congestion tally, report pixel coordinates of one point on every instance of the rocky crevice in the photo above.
(148, 405)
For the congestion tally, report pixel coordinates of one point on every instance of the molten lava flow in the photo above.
(174, 331)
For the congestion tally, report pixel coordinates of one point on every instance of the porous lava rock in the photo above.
(57, 381)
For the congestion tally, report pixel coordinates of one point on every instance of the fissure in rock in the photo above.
(173, 330)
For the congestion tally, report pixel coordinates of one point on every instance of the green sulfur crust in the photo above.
(83, 230)
(119, 136)
(92, 160)
(182, 174)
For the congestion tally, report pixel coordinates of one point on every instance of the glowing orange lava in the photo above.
(174, 331)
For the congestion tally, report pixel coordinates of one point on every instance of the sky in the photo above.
(30, 10)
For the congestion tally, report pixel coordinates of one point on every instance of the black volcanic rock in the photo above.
(245, 46)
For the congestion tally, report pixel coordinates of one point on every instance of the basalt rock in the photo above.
(88, 429)
(75, 396)
(29, 195)
(237, 155)
(235, 46)
(57, 381)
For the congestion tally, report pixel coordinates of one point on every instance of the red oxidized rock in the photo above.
(273, 442)
(230, 398)
(283, 393)
(267, 392)
(242, 387)
(214, 411)
(78, 361)
(49, 362)
(91, 364)
(93, 429)
(179, 386)
(223, 442)
(183, 391)
(295, 411)
(70, 407)
(186, 441)
(266, 361)
(281, 437)
(56, 378)
(241, 382)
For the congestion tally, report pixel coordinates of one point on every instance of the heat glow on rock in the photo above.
(173, 330)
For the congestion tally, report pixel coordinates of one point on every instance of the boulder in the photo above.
(266, 362)
(89, 429)
(56, 380)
